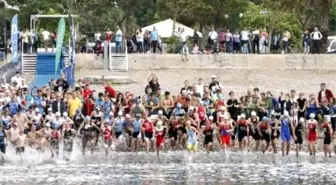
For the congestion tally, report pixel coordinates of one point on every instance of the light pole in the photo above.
(234, 19)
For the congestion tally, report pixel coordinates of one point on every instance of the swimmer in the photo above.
(265, 130)
(253, 130)
(225, 129)
(160, 132)
(2, 142)
(107, 137)
(242, 132)
(88, 130)
(275, 132)
(68, 135)
(147, 128)
(192, 137)
(21, 142)
(54, 141)
(299, 130)
(208, 134)
(312, 134)
(118, 127)
(327, 130)
(135, 131)
(286, 128)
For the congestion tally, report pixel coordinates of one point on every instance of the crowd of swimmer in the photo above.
(160, 122)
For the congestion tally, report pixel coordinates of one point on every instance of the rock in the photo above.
(113, 79)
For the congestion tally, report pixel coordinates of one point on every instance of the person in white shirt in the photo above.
(25, 40)
(97, 36)
(118, 39)
(140, 40)
(316, 36)
(245, 37)
(200, 87)
(212, 37)
(46, 39)
(18, 79)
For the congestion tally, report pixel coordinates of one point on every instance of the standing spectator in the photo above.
(236, 42)
(316, 37)
(245, 34)
(306, 42)
(33, 41)
(53, 41)
(154, 37)
(140, 41)
(25, 40)
(264, 41)
(108, 35)
(222, 40)
(97, 36)
(212, 37)
(118, 39)
(195, 38)
(228, 41)
(285, 41)
(275, 41)
(325, 93)
(255, 40)
(146, 37)
(58, 105)
(46, 39)
(183, 40)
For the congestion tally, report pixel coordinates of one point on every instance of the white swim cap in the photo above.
(242, 116)
(37, 110)
(120, 113)
(58, 114)
(211, 118)
(327, 118)
(48, 124)
(301, 120)
(286, 114)
(49, 109)
(160, 112)
(311, 115)
(128, 116)
(65, 114)
(111, 114)
(253, 113)
(226, 116)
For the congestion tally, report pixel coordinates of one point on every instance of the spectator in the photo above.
(146, 41)
(228, 41)
(74, 103)
(18, 80)
(325, 93)
(97, 36)
(245, 34)
(285, 41)
(25, 40)
(306, 42)
(183, 40)
(153, 82)
(316, 38)
(154, 37)
(275, 41)
(108, 35)
(255, 41)
(264, 41)
(212, 37)
(236, 42)
(195, 49)
(222, 40)
(118, 39)
(53, 41)
(58, 105)
(61, 85)
(195, 38)
(140, 41)
(109, 89)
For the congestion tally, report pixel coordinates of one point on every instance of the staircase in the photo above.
(118, 62)
(66, 61)
(29, 64)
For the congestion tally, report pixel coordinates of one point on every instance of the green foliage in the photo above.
(275, 20)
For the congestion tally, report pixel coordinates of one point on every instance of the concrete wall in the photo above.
(239, 61)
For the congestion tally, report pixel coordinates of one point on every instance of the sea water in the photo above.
(179, 167)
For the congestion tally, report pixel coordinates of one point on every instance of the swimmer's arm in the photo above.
(80, 127)
(331, 130)
(293, 129)
(94, 125)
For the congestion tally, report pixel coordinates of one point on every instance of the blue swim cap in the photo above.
(178, 105)
(87, 118)
(265, 118)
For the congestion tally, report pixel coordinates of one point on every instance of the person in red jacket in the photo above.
(109, 89)
(325, 93)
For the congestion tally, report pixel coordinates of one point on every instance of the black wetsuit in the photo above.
(208, 135)
(68, 140)
(78, 120)
(298, 133)
(264, 132)
(327, 134)
(242, 129)
(254, 127)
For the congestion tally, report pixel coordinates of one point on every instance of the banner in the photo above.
(59, 44)
(14, 38)
(73, 40)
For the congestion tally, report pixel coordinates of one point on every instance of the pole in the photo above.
(5, 30)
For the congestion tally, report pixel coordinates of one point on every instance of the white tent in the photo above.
(165, 28)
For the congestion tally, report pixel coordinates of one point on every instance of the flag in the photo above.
(73, 39)
(59, 43)
(14, 38)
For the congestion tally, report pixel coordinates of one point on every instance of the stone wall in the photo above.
(239, 61)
